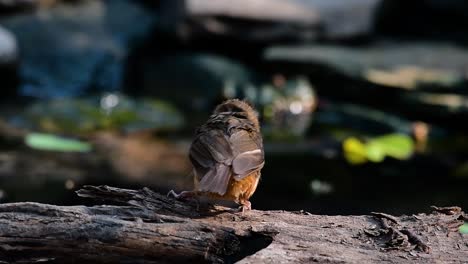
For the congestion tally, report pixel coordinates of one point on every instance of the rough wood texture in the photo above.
(146, 227)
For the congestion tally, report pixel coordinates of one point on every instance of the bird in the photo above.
(227, 155)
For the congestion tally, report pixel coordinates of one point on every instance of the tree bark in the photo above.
(145, 227)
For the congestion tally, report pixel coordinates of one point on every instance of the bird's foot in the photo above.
(182, 195)
(173, 194)
(245, 206)
(185, 195)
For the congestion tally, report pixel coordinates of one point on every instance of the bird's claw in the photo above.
(173, 194)
(185, 195)
(245, 206)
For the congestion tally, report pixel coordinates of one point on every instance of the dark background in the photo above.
(131, 80)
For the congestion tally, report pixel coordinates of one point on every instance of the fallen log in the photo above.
(142, 226)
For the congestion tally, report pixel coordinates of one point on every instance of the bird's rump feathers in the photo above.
(219, 154)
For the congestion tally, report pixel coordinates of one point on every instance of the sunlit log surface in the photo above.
(145, 227)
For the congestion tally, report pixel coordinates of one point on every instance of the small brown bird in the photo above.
(227, 155)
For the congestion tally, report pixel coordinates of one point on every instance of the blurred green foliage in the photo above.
(108, 112)
(398, 146)
(50, 142)
(464, 228)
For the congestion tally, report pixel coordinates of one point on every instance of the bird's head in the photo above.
(233, 106)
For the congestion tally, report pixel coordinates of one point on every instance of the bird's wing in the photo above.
(248, 153)
(211, 156)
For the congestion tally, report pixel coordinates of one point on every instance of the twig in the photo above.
(414, 239)
(386, 216)
(452, 210)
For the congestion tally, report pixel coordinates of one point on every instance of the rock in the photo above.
(270, 20)
(70, 49)
(8, 47)
(408, 65)
(8, 62)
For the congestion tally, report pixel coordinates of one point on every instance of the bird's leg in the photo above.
(185, 195)
(182, 195)
(245, 205)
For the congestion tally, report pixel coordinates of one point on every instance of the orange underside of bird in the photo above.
(238, 191)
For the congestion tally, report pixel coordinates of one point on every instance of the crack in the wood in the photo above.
(249, 245)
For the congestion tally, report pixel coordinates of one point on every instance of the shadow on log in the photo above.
(145, 227)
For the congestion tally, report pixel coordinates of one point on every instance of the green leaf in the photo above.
(51, 142)
(464, 228)
(398, 146)
(354, 151)
(375, 152)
